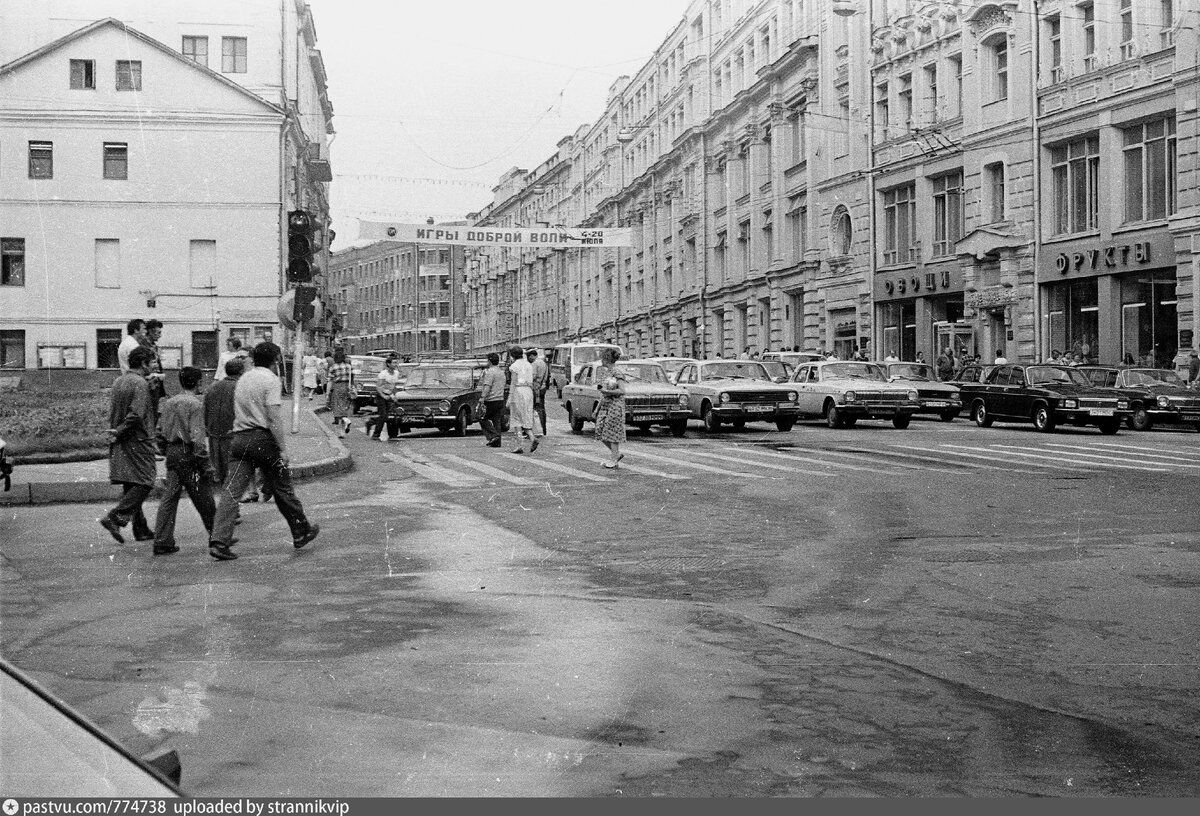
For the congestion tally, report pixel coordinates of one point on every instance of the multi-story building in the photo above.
(150, 158)
(399, 296)
(895, 175)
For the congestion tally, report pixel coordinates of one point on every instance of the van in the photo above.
(569, 358)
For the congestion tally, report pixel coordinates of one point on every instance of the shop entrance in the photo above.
(957, 335)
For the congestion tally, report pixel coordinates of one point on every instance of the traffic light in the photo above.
(303, 308)
(300, 247)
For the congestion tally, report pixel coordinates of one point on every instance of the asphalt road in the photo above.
(940, 611)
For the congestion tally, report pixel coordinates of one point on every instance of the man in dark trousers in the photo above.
(278, 366)
(131, 462)
(541, 383)
(218, 418)
(182, 440)
(158, 389)
(259, 441)
(491, 388)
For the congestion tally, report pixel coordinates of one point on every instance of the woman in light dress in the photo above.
(610, 413)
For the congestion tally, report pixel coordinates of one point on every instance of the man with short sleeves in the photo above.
(184, 443)
(491, 388)
(541, 383)
(259, 441)
(135, 332)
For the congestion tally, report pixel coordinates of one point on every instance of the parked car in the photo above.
(935, 396)
(779, 372)
(366, 368)
(1156, 394)
(844, 391)
(737, 392)
(791, 358)
(445, 396)
(1045, 395)
(650, 398)
(568, 358)
(973, 373)
(673, 364)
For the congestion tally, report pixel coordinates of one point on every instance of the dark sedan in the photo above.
(1155, 394)
(445, 396)
(1046, 395)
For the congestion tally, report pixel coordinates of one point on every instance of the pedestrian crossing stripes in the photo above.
(567, 461)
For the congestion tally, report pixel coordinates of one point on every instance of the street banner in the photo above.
(547, 237)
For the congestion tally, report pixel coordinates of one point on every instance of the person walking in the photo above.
(259, 441)
(386, 383)
(520, 400)
(341, 376)
(1193, 377)
(1000, 358)
(156, 380)
(233, 348)
(944, 365)
(323, 363)
(491, 388)
(541, 383)
(131, 461)
(218, 418)
(183, 441)
(310, 374)
(610, 413)
(135, 332)
(278, 367)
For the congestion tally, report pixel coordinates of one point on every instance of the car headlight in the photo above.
(444, 406)
(1122, 405)
(792, 396)
(1070, 403)
(1164, 401)
(724, 398)
(683, 401)
(913, 396)
(428, 411)
(850, 396)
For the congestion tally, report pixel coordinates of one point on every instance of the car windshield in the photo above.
(735, 370)
(587, 354)
(367, 365)
(439, 378)
(853, 371)
(1153, 376)
(1051, 374)
(673, 366)
(911, 371)
(643, 372)
(775, 368)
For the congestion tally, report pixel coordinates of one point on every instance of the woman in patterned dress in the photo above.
(340, 404)
(610, 412)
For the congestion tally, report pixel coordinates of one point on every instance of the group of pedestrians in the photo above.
(215, 443)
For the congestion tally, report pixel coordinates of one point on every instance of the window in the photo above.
(1126, 29)
(842, 137)
(1150, 174)
(931, 92)
(719, 255)
(947, 212)
(840, 232)
(83, 75)
(41, 160)
(1076, 170)
(107, 342)
(233, 55)
(956, 87)
(998, 55)
(12, 261)
(1089, 37)
(1166, 11)
(196, 49)
(129, 75)
(797, 224)
(768, 157)
(768, 231)
(882, 110)
(12, 348)
(744, 240)
(905, 98)
(116, 160)
(993, 176)
(899, 225)
(743, 170)
(1054, 34)
(796, 125)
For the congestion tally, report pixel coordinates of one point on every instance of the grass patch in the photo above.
(54, 422)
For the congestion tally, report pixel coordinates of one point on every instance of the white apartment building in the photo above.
(149, 165)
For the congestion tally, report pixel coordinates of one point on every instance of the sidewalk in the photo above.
(315, 451)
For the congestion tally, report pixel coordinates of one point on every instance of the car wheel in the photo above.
(711, 421)
(949, 416)
(900, 421)
(1109, 426)
(678, 427)
(784, 425)
(1043, 419)
(1140, 421)
(982, 418)
(833, 417)
(462, 422)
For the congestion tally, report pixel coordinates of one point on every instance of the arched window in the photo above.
(840, 232)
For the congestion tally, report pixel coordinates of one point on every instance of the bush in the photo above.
(37, 422)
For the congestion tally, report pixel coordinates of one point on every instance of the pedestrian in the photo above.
(1193, 377)
(745, 355)
(182, 439)
(131, 461)
(259, 441)
(323, 363)
(233, 348)
(610, 413)
(1000, 358)
(278, 368)
(920, 357)
(520, 400)
(944, 365)
(796, 347)
(491, 387)
(135, 332)
(891, 357)
(157, 380)
(386, 384)
(341, 377)
(541, 383)
(218, 417)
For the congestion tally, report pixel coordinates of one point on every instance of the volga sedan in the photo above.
(650, 398)
(1155, 394)
(1046, 395)
(843, 392)
(936, 397)
(737, 392)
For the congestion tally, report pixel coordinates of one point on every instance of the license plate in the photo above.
(1101, 412)
(936, 404)
(1191, 417)
(648, 417)
(760, 409)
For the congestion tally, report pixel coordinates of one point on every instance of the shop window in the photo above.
(1149, 322)
(1072, 318)
(900, 329)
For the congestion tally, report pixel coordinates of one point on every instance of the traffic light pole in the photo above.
(297, 377)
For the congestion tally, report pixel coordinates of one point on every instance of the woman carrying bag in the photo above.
(610, 411)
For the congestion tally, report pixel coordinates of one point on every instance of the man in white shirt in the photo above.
(520, 400)
(233, 348)
(1000, 358)
(135, 334)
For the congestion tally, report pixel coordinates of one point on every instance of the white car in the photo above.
(843, 392)
(737, 392)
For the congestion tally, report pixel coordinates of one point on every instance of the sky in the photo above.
(434, 101)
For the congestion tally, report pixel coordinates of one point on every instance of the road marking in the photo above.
(1172, 461)
(1009, 465)
(626, 466)
(869, 458)
(434, 472)
(495, 473)
(684, 463)
(530, 460)
(768, 465)
(1050, 464)
(1106, 464)
(810, 460)
(1129, 450)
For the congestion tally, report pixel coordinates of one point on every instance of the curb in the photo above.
(85, 492)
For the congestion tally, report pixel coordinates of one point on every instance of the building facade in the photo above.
(894, 175)
(150, 164)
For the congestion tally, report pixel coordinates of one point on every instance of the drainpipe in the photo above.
(871, 225)
(1036, 154)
